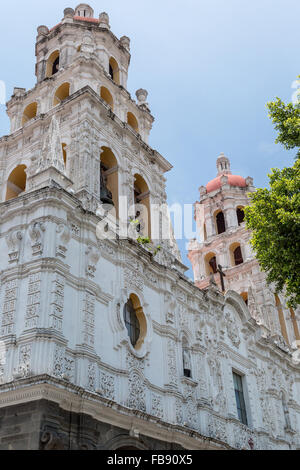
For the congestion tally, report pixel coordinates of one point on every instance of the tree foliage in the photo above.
(274, 214)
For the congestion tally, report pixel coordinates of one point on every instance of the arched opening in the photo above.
(143, 208)
(16, 183)
(29, 113)
(244, 295)
(61, 94)
(240, 214)
(186, 358)
(109, 179)
(64, 151)
(52, 66)
(211, 263)
(281, 319)
(107, 97)
(135, 321)
(114, 70)
(295, 325)
(132, 122)
(236, 254)
(220, 222)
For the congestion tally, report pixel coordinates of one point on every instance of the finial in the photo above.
(42, 30)
(125, 41)
(223, 165)
(69, 13)
(104, 20)
(142, 96)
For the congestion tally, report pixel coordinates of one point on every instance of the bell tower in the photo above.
(224, 245)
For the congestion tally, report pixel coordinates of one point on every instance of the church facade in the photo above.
(104, 342)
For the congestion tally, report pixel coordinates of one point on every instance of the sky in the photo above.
(210, 67)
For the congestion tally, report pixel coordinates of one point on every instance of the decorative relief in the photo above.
(36, 233)
(89, 320)
(217, 394)
(172, 369)
(57, 303)
(9, 307)
(91, 376)
(13, 241)
(232, 329)
(92, 257)
(157, 406)
(107, 386)
(33, 301)
(63, 366)
(24, 367)
(133, 276)
(64, 236)
(137, 395)
(217, 428)
(75, 230)
(179, 412)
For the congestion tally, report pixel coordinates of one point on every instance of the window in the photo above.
(107, 97)
(244, 295)
(240, 215)
(186, 359)
(239, 396)
(211, 263)
(52, 66)
(142, 206)
(30, 112)
(114, 71)
(132, 323)
(220, 221)
(238, 257)
(132, 122)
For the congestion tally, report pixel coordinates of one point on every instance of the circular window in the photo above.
(132, 323)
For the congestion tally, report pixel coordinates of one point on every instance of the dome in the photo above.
(233, 180)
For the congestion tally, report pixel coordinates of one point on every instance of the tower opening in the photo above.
(211, 264)
(240, 215)
(109, 179)
(107, 97)
(142, 209)
(61, 94)
(238, 257)
(52, 66)
(114, 70)
(281, 319)
(16, 183)
(132, 122)
(220, 222)
(29, 113)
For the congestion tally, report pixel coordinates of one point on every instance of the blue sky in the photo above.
(210, 67)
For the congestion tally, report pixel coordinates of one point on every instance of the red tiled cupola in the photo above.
(223, 166)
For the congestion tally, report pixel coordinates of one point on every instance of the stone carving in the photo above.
(33, 301)
(91, 376)
(232, 330)
(51, 441)
(137, 396)
(57, 303)
(64, 236)
(217, 428)
(107, 386)
(52, 153)
(24, 362)
(157, 406)
(92, 257)
(217, 394)
(133, 276)
(89, 320)
(13, 241)
(36, 233)
(63, 365)
(9, 307)
(172, 368)
(179, 412)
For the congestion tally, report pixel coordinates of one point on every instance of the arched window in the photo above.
(220, 222)
(211, 263)
(142, 203)
(114, 71)
(281, 319)
(240, 215)
(52, 66)
(186, 358)
(107, 97)
(29, 113)
(16, 183)
(109, 179)
(132, 122)
(64, 150)
(61, 94)
(295, 326)
(236, 254)
(135, 321)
